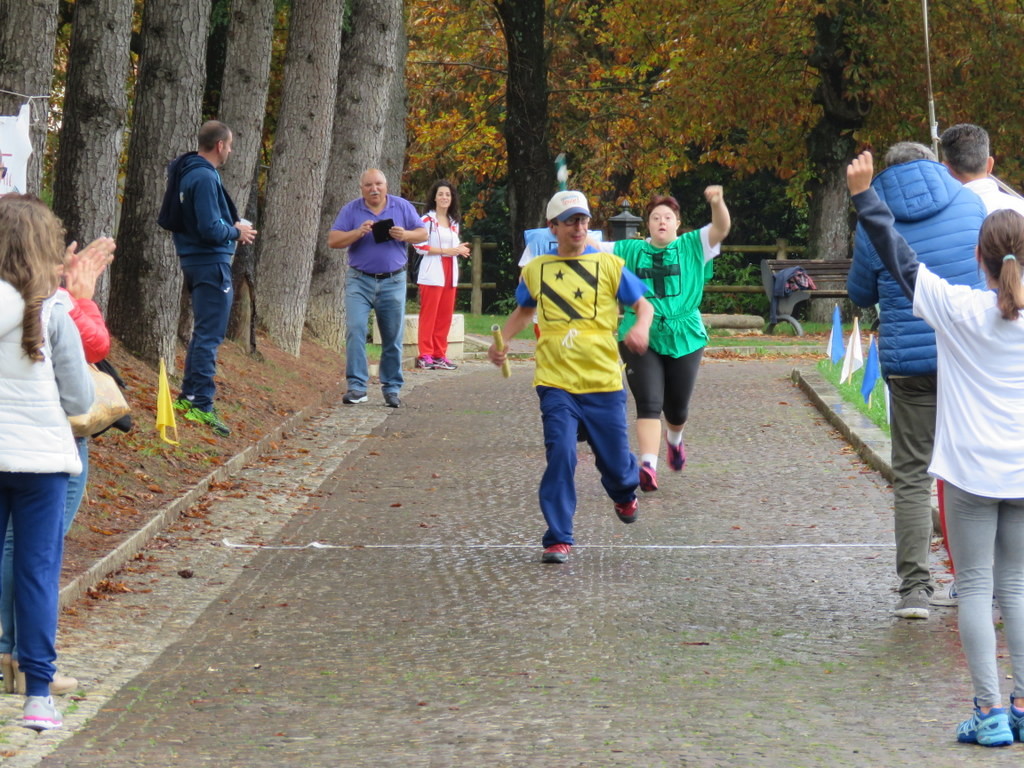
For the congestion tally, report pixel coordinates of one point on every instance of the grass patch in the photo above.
(480, 325)
(762, 341)
(850, 392)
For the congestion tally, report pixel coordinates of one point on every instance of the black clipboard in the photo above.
(381, 230)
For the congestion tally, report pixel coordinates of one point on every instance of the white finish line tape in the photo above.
(320, 545)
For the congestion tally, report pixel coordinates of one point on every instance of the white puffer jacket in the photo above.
(37, 398)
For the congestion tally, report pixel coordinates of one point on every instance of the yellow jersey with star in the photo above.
(577, 312)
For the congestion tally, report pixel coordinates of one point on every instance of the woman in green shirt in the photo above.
(674, 268)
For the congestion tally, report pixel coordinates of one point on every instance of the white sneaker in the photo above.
(40, 714)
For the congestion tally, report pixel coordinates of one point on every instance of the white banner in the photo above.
(15, 149)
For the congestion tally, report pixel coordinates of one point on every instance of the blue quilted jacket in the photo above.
(940, 219)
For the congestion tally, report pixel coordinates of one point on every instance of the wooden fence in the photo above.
(476, 286)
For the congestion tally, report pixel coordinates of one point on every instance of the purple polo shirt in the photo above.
(366, 255)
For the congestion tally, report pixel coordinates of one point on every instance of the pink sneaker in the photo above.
(556, 553)
(648, 478)
(425, 361)
(627, 511)
(676, 456)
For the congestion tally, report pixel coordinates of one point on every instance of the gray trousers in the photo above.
(986, 537)
(912, 423)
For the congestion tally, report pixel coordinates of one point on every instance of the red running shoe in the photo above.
(627, 511)
(648, 478)
(556, 553)
(676, 455)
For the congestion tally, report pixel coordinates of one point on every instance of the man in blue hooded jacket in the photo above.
(939, 218)
(206, 230)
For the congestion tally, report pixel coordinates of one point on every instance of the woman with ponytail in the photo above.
(979, 440)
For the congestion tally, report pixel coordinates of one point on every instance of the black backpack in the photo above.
(171, 216)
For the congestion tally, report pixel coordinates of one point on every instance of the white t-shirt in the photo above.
(979, 432)
(993, 197)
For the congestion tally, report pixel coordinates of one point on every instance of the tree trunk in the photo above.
(302, 146)
(831, 145)
(392, 160)
(92, 130)
(530, 170)
(28, 30)
(244, 318)
(369, 118)
(146, 277)
(243, 100)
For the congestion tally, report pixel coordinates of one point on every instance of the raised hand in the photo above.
(859, 173)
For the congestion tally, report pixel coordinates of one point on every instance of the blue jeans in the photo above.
(210, 288)
(986, 540)
(602, 415)
(386, 297)
(33, 503)
(72, 501)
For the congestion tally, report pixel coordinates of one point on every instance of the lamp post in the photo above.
(624, 225)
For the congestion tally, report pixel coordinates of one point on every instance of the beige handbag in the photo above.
(108, 407)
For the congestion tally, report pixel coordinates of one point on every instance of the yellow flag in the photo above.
(164, 407)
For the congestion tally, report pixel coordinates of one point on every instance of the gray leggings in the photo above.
(986, 540)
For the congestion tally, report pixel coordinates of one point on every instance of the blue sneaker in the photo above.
(991, 730)
(1016, 718)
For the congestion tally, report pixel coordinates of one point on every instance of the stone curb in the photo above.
(868, 440)
(130, 547)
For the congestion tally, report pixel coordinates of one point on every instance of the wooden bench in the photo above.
(820, 272)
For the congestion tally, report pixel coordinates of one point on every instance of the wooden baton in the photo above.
(506, 369)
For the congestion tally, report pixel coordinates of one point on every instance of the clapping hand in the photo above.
(83, 268)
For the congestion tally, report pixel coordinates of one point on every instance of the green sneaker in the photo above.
(211, 418)
(182, 404)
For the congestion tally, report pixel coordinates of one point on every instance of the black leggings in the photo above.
(661, 383)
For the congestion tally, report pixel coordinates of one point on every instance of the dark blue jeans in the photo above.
(33, 502)
(211, 292)
(72, 501)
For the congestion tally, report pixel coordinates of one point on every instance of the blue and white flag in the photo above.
(871, 372)
(835, 340)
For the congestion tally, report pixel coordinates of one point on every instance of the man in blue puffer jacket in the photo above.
(939, 218)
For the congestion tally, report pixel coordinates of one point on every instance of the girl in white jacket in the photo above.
(43, 380)
(439, 275)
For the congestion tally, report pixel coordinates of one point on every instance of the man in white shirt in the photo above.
(965, 151)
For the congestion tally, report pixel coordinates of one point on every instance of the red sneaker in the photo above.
(676, 455)
(627, 511)
(648, 478)
(556, 553)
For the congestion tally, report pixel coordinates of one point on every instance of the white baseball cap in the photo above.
(567, 203)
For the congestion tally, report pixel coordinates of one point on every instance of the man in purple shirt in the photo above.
(375, 228)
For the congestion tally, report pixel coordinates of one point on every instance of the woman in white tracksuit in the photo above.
(438, 275)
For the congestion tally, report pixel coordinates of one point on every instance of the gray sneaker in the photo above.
(40, 714)
(913, 606)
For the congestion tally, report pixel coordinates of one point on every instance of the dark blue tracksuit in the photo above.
(205, 248)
